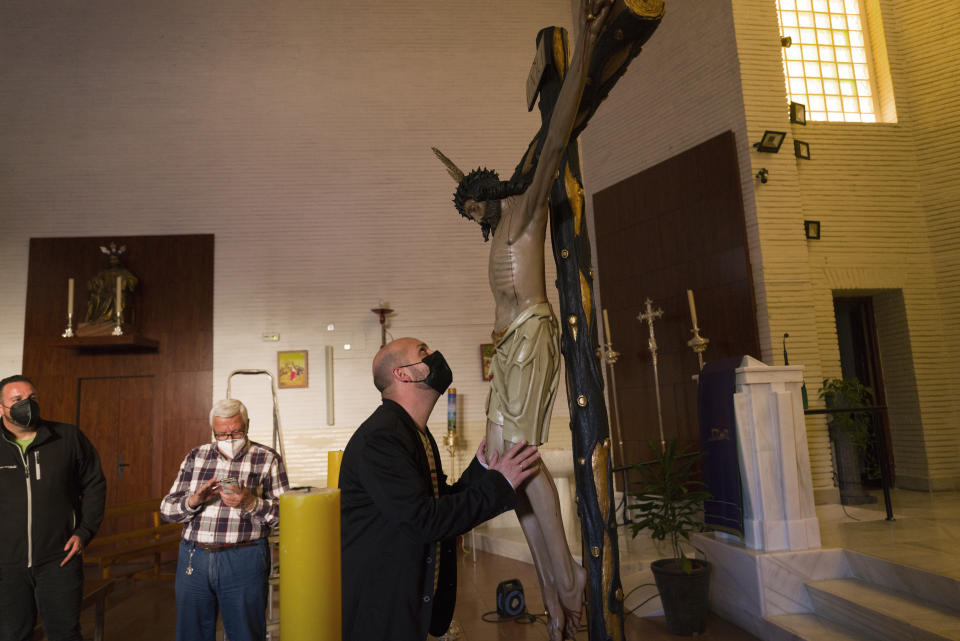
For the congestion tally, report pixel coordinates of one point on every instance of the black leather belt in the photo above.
(220, 547)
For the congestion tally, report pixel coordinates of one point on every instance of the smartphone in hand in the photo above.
(229, 485)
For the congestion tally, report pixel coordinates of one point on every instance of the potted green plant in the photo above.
(670, 506)
(851, 435)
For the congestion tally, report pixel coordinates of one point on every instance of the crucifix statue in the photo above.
(526, 364)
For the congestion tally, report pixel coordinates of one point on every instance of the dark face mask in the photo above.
(25, 413)
(439, 376)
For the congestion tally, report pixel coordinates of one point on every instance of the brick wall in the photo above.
(886, 196)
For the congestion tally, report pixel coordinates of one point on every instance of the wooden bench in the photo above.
(150, 538)
(95, 594)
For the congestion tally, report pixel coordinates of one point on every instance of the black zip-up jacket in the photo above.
(53, 491)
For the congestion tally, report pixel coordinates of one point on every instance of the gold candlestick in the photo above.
(698, 343)
(450, 440)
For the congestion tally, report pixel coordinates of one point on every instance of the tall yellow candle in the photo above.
(69, 295)
(310, 565)
(333, 467)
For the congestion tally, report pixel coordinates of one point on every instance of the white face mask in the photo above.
(230, 447)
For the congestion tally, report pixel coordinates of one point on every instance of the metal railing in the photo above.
(881, 445)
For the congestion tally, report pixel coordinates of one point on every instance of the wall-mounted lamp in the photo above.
(762, 175)
(798, 113)
(811, 229)
(770, 142)
(785, 41)
(801, 149)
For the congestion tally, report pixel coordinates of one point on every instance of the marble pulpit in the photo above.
(778, 500)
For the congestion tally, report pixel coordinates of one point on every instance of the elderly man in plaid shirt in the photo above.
(226, 494)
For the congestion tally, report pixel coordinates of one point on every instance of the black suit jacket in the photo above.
(390, 523)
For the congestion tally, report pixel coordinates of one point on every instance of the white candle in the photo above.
(119, 303)
(693, 308)
(69, 295)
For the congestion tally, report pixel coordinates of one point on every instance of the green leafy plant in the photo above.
(670, 501)
(850, 394)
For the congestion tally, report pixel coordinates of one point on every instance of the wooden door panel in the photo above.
(678, 225)
(117, 415)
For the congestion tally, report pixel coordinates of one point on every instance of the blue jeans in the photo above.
(233, 581)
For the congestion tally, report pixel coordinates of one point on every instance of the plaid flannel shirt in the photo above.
(257, 467)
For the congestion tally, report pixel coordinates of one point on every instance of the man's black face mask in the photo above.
(439, 377)
(25, 413)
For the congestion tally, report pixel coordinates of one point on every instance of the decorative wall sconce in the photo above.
(811, 229)
(786, 41)
(801, 149)
(762, 175)
(770, 142)
(798, 113)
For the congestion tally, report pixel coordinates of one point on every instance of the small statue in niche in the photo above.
(102, 300)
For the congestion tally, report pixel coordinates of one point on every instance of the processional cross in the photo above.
(629, 25)
(648, 316)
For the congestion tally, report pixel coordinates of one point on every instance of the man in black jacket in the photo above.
(399, 518)
(52, 493)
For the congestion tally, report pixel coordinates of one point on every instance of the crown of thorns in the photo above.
(479, 185)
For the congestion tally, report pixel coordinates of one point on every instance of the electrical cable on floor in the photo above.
(642, 585)
(524, 618)
(850, 516)
(644, 602)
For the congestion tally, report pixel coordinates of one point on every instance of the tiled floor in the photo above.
(144, 610)
(925, 534)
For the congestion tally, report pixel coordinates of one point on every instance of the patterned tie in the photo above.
(432, 462)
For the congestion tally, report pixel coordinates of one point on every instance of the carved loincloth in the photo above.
(526, 370)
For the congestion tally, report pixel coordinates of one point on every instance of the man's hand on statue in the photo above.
(203, 493)
(517, 464)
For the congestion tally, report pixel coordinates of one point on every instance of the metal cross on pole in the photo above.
(648, 316)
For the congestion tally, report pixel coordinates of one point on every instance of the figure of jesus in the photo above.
(526, 364)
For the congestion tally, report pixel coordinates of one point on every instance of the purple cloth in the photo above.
(718, 442)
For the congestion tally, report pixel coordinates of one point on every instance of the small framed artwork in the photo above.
(801, 149)
(292, 369)
(486, 355)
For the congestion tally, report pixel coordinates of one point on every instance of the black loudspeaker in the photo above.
(510, 601)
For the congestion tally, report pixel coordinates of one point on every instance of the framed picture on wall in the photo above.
(292, 370)
(486, 355)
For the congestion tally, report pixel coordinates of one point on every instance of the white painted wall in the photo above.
(298, 133)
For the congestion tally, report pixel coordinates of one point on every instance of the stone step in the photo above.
(881, 613)
(936, 588)
(808, 627)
